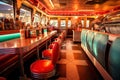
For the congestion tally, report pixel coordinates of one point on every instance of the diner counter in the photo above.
(12, 46)
(21, 47)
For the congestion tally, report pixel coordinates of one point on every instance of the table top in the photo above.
(13, 45)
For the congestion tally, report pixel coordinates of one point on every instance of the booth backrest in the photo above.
(7, 37)
(99, 47)
(114, 60)
(83, 37)
(90, 38)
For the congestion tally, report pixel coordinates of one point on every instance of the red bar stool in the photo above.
(43, 69)
(59, 41)
(47, 54)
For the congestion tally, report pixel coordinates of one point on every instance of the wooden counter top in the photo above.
(12, 46)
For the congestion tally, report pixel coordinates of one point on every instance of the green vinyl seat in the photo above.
(114, 60)
(99, 48)
(90, 38)
(83, 37)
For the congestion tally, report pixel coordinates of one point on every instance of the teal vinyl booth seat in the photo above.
(99, 48)
(83, 37)
(7, 37)
(114, 60)
(90, 38)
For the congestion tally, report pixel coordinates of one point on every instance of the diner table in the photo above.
(19, 46)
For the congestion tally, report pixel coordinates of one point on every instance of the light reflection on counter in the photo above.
(20, 43)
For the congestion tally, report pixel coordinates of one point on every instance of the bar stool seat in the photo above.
(47, 53)
(42, 66)
(42, 69)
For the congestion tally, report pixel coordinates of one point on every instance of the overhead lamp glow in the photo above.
(76, 17)
(51, 3)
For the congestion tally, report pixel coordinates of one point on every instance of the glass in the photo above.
(54, 23)
(25, 16)
(69, 23)
(6, 15)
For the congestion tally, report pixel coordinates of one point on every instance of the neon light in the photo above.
(51, 3)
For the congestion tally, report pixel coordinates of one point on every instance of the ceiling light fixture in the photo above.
(51, 3)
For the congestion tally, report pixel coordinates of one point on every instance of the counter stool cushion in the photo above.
(42, 66)
(47, 53)
(42, 69)
(53, 50)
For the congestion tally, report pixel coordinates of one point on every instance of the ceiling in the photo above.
(75, 7)
(79, 6)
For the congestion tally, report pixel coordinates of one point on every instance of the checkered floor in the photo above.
(74, 64)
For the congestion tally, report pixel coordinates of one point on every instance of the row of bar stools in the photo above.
(43, 69)
(47, 54)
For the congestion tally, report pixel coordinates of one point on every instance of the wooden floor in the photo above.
(74, 64)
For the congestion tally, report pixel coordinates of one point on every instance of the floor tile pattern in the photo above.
(74, 64)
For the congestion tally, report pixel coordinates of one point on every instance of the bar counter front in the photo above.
(20, 46)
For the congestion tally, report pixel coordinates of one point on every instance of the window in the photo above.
(37, 18)
(25, 14)
(43, 20)
(63, 24)
(87, 24)
(69, 23)
(6, 10)
(54, 23)
(82, 21)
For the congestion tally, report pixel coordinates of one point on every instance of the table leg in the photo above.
(38, 55)
(50, 40)
(46, 44)
(22, 75)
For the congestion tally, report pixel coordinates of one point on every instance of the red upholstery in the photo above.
(50, 46)
(55, 52)
(60, 37)
(47, 53)
(45, 68)
(2, 78)
(59, 41)
(42, 66)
